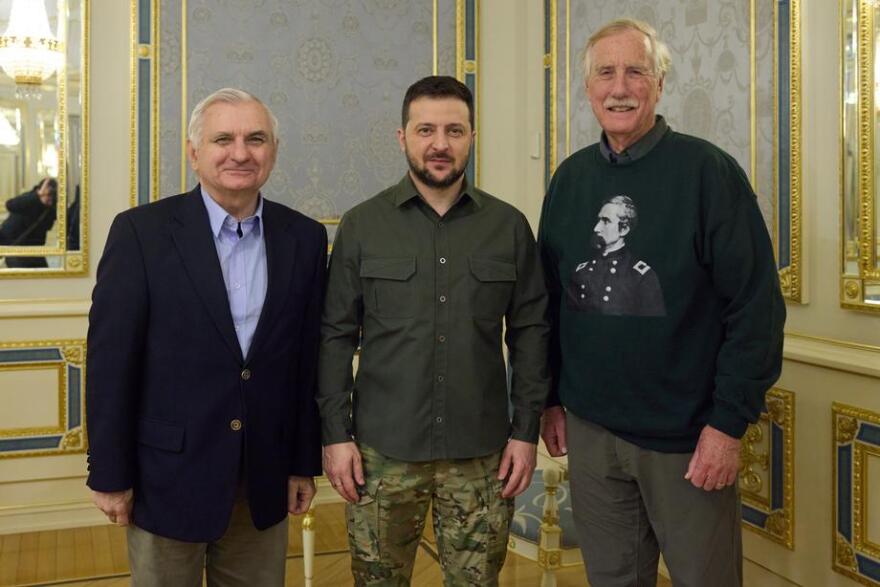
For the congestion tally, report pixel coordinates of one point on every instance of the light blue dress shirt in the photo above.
(241, 248)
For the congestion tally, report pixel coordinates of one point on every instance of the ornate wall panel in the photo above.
(766, 480)
(50, 425)
(333, 72)
(856, 535)
(734, 80)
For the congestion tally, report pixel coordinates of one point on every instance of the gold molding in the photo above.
(835, 342)
(795, 292)
(554, 96)
(136, 52)
(74, 263)
(779, 526)
(853, 286)
(73, 440)
(846, 421)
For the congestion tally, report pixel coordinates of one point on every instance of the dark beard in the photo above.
(597, 242)
(429, 180)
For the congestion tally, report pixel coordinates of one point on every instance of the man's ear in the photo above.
(191, 154)
(401, 138)
(660, 84)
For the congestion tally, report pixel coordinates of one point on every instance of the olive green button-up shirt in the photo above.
(426, 297)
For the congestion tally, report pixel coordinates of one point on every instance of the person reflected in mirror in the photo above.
(31, 215)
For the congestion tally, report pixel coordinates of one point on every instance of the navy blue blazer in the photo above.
(173, 408)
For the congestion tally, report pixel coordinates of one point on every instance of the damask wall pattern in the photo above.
(334, 72)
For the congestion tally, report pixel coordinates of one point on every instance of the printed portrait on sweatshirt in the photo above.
(615, 280)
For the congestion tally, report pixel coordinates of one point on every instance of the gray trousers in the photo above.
(243, 557)
(630, 504)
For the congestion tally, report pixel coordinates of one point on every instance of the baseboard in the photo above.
(36, 518)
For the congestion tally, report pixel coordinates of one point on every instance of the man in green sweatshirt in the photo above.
(664, 339)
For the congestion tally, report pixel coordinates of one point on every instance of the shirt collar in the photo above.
(638, 149)
(217, 215)
(406, 190)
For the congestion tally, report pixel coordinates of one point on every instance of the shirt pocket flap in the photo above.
(395, 268)
(160, 435)
(485, 269)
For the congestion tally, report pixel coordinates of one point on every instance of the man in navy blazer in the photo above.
(203, 337)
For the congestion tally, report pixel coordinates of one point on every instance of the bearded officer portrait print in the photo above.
(614, 280)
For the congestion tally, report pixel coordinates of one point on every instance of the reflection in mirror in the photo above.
(860, 97)
(42, 108)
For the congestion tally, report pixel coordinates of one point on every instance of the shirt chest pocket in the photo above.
(491, 286)
(387, 285)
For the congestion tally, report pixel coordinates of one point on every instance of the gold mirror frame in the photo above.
(73, 262)
(860, 274)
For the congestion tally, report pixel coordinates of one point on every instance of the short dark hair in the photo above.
(438, 86)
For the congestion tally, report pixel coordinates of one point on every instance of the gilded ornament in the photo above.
(548, 60)
(72, 439)
(851, 289)
(777, 524)
(551, 520)
(470, 66)
(74, 262)
(845, 556)
(73, 354)
(550, 558)
(776, 411)
(846, 429)
(785, 281)
(308, 521)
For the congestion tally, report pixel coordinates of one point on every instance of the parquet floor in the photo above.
(96, 557)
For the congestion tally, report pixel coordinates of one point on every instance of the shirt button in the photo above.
(442, 299)
(441, 338)
(583, 296)
(613, 270)
(439, 419)
(614, 262)
(443, 260)
(236, 285)
(583, 286)
(605, 298)
(441, 379)
(607, 288)
(235, 425)
(246, 374)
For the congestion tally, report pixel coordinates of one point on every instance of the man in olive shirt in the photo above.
(422, 276)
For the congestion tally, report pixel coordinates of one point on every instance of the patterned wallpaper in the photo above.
(334, 72)
(708, 88)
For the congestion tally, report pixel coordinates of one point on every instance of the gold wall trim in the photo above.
(846, 423)
(833, 355)
(136, 51)
(155, 69)
(554, 84)
(753, 95)
(793, 281)
(73, 440)
(44, 308)
(756, 481)
(834, 342)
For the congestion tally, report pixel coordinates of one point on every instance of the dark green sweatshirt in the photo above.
(676, 324)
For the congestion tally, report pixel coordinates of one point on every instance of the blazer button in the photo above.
(246, 374)
(235, 425)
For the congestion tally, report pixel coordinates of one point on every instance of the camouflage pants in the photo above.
(471, 520)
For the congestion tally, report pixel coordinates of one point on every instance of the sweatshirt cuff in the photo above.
(526, 426)
(336, 430)
(728, 422)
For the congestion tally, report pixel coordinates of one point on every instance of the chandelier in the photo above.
(29, 52)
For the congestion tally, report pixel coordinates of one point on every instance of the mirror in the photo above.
(43, 154)
(860, 98)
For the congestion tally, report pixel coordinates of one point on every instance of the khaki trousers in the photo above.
(243, 557)
(630, 504)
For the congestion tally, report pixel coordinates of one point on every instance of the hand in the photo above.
(715, 461)
(517, 466)
(116, 505)
(553, 431)
(342, 464)
(44, 194)
(300, 491)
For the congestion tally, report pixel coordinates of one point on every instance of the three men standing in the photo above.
(202, 350)
(423, 277)
(655, 402)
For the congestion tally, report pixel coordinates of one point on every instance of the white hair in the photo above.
(658, 52)
(228, 96)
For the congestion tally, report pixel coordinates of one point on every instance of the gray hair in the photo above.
(227, 96)
(658, 52)
(628, 215)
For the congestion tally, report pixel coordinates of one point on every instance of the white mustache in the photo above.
(625, 103)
